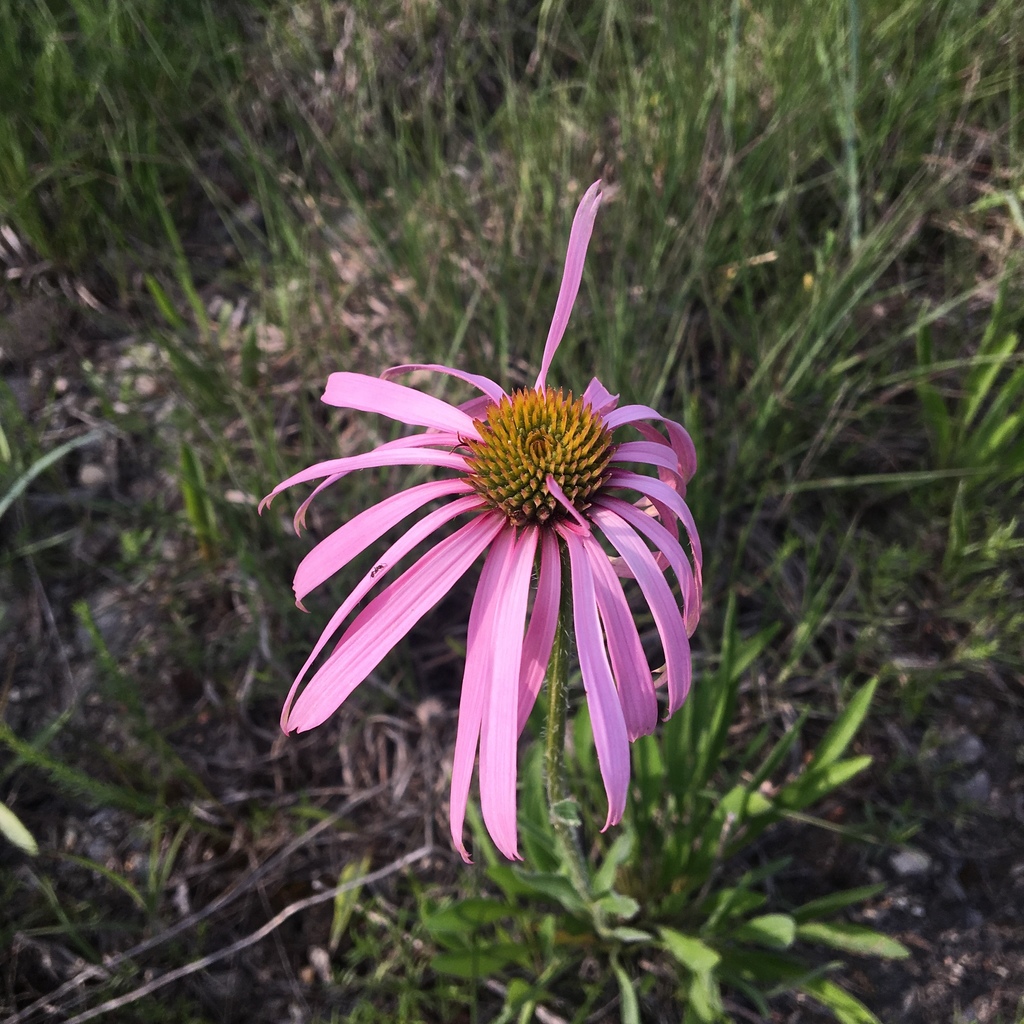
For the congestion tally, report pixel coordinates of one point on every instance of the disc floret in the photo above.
(529, 436)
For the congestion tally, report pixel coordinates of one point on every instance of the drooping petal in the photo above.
(669, 546)
(437, 439)
(492, 390)
(572, 275)
(476, 682)
(629, 663)
(418, 532)
(387, 619)
(658, 490)
(606, 716)
(680, 442)
(382, 456)
(647, 452)
(339, 548)
(540, 634)
(406, 405)
(498, 734)
(679, 439)
(559, 495)
(671, 625)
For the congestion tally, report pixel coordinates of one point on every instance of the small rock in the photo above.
(908, 863)
(93, 476)
(966, 749)
(976, 790)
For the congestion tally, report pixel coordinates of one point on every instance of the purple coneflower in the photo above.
(538, 475)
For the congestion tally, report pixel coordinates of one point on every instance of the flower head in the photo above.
(537, 473)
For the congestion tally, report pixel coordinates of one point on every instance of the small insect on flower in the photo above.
(539, 474)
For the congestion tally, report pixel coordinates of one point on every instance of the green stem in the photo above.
(559, 801)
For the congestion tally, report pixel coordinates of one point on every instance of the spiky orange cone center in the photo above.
(529, 436)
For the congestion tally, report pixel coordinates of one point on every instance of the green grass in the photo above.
(810, 254)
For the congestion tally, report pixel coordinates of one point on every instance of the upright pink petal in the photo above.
(572, 275)
(629, 663)
(387, 619)
(498, 734)
(406, 405)
(606, 716)
(540, 634)
(599, 398)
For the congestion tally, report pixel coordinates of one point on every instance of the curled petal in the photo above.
(572, 275)
(668, 545)
(672, 627)
(493, 391)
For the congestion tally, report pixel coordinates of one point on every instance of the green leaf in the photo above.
(629, 1011)
(42, 464)
(834, 902)
(617, 855)
(834, 743)
(847, 1010)
(853, 938)
(619, 906)
(15, 832)
(346, 901)
(693, 954)
(775, 931)
(464, 916)
(812, 785)
(705, 999)
(626, 934)
(480, 961)
(538, 883)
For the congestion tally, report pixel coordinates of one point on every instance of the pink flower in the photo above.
(538, 475)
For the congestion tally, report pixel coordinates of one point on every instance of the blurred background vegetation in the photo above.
(810, 253)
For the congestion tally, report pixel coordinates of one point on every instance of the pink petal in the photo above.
(387, 619)
(572, 275)
(647, 452)
(665, 542)
(605, 710)
(658, 490)
(493, 391)
(499, 734)
(629, 663)
(558, 494)
(476, 683)
(339, 548)
(656, 591)
(436, 440)
(540, 635)
(419, 531)
(406, 405)
(382, 456)
(679, 439)
(599, 398)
